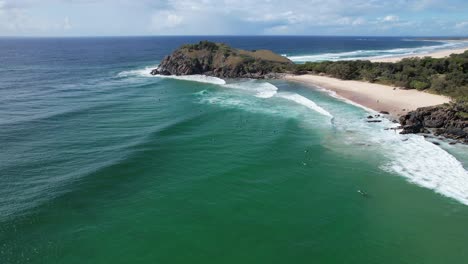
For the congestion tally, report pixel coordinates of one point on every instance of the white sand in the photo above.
(437, 54)
(374, 96)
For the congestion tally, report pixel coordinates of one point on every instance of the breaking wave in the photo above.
(411, 156)
(146, 72)
(429, 166)
(368, 54)
(305, 102)
(261, 89)
(195, 78)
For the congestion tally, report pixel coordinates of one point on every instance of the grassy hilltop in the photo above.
(220, 60)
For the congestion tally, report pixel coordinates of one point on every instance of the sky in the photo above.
(233, 17)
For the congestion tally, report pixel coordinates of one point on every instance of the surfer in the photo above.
(363, 193)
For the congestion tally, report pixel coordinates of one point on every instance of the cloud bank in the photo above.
(233, 17)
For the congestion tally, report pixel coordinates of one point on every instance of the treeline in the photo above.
(447, 76)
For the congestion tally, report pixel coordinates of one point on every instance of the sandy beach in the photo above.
(374, 96)
(437, 54)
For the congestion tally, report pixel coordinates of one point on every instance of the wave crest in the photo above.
(429, 166)
(261, 89)
(146, 72)
(195, 78)
(305, 102)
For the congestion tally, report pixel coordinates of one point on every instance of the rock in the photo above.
(384, 112)
(449, 121)
(374, 121)
(220, 60)
(370, 117)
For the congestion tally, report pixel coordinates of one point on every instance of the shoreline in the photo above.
(377, 97)
(436, 54)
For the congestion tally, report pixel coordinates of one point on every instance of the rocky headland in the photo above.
(449, 120)
(220, 60)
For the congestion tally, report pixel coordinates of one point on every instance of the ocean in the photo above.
(101, 162)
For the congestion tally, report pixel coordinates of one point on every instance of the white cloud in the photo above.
(17, 19)
(161, 21)
(66, 24)
(128, 17)
(391, 18)
(461, 25)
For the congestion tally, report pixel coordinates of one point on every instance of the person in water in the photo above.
(363, 193)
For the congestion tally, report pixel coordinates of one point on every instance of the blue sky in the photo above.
(233, 17)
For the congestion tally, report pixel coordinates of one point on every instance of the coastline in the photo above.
(437, 55)
(377, 97)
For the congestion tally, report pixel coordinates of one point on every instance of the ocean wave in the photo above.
(305, 102)
(429, 166)
(146, 72)
(368, 54)
(195, 78)
(410, 156)
(341, 98)
(261, 89)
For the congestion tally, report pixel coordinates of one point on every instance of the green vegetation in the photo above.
(220, 60)
(447, 76)
(463, 115)
(203, 45)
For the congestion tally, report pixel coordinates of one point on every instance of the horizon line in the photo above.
(235, 35)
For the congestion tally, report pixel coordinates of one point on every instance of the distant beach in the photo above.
(380, 52)
(374, 96)
(435, 54)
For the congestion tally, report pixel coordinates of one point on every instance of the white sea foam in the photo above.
(146, 72)
(195, 78)
(367, 54)
(305, 102)
(429, 166)
(411, 156)
(341, 98)
(250, 104)
(261, 89)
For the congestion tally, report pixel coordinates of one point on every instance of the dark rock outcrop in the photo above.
(220, 60)
(450, 121)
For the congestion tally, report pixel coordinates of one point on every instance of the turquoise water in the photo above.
(114, 166)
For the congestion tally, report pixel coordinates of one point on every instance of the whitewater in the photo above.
(376, 54)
